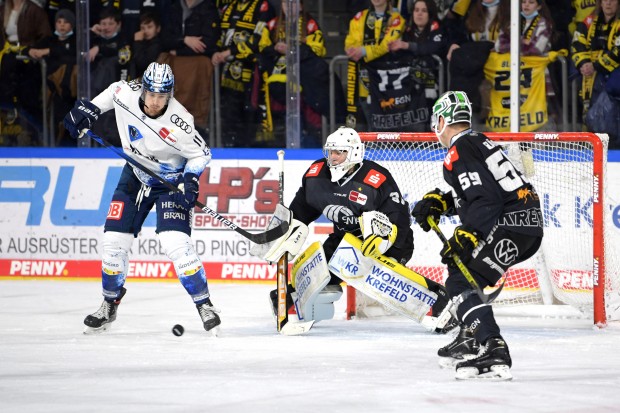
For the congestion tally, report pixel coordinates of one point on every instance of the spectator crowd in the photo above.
(394, 50)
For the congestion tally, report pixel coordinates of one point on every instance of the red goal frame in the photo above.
(598, 149)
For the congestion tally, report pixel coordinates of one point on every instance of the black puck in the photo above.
(178, 330)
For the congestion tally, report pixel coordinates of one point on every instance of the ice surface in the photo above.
(364, 365)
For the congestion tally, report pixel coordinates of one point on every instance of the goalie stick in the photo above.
(284, 325)
(282, 266)
(487, 299)
(258, 238)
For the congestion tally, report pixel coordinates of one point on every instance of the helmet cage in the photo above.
(344, 139)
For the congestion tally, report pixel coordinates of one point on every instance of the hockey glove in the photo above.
(378, 232)
(341, 215)
(188, 195)
(462, 243)
(433, 204)
(82, 116)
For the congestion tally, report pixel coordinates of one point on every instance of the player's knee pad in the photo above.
(179, 249)
(114, 262)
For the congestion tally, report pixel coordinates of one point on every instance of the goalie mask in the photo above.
(453, 107)
(343, 140)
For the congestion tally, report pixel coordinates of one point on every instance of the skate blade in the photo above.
(97, 330)
(296, 328)
(215, 331)
(497, 373)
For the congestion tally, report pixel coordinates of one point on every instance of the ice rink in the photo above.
(364, 365)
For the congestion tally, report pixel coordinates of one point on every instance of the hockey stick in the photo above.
(284, 325)
(258, 238)
(282, 267)
(487, 299)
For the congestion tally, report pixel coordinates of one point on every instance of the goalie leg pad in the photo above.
(310, 275)
(188, 266)
(392, 284)
(114, 263)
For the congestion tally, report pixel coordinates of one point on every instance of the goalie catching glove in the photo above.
(462, 243)
(434, 204)
(378, 232)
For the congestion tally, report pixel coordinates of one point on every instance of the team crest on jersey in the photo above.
(315, 169)
(115, 211)
(450, 158)
(134, 133)
(374, 178)
(358, 197)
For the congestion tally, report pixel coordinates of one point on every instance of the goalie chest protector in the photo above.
(367, 190)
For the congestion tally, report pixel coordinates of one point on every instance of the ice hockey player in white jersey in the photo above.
(157, 131)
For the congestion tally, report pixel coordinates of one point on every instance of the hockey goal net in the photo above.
(576, 264)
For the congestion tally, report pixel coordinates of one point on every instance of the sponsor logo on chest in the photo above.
(358, 197)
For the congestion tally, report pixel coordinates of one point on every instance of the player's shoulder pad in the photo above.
(373, 174)
(318, 167)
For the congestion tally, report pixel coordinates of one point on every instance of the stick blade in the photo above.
(296, 328)
(269, 235)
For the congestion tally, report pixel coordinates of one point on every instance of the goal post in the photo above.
(576, 264)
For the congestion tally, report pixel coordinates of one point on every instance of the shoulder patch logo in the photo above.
(315, 169)
(134, 133)
(374, 178)
(450, 158)
(358, 197)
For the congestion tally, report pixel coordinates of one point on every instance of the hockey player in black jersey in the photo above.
(360, 197)
(501, 225)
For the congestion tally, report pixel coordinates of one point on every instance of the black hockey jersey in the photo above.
(488, 190)
(371, 188)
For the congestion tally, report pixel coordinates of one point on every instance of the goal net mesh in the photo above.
(567, 180)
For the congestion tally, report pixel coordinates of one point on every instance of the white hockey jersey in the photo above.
(168, 145)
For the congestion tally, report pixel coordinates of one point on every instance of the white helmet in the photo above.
(344, 139)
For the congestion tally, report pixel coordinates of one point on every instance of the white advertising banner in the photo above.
(54, 203)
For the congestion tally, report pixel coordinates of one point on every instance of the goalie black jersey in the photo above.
(370, 188)
(488, 190)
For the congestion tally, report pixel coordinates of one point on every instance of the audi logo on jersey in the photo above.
(177, 120)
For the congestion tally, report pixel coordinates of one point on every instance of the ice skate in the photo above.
(101, 320)
(210, 319)
(493, 363)
(273, 299)
(463, 347)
